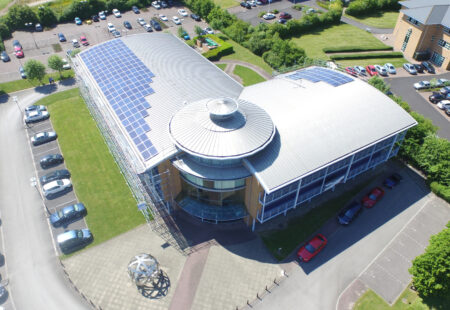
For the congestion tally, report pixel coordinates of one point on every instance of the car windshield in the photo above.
(79, 234)
(310, 248)
(350, 213)
(60, 214)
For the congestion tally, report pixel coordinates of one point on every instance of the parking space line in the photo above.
(65, 203)
(415, 241)
(37, 154)
(389, 273)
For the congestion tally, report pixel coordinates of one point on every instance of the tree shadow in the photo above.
(156, 289)
(46, 89)
(67, 82)
(435, 302)
(4, 97)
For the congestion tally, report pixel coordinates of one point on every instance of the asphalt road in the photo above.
(36, 279)
(403, 87)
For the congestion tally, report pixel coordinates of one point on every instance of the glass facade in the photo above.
(219, 185)
(303, 190)
(216, 162)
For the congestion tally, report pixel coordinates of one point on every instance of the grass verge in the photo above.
(4, 3)
(300, 228)
(396, 62)
(222, 66)
(96, 177)
(248, 76)
(13, 86)
(378, 19)
(225, 4)
(241, 53)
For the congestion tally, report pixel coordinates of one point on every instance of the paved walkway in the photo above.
(234, 62)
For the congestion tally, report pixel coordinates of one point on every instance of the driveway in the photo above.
(251, 15)
(403, 87)
(350, 250)
(36, 280)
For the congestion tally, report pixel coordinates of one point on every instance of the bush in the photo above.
(46, 16)
(18, 15)
(297, 7)
(367, 56)
(441, 190)
(224, 48)
(355, 49)
(5, 32)
(261, 14)
(367, 7)
(2, 45)
(275, 11)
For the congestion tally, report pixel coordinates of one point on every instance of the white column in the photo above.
(349, 167)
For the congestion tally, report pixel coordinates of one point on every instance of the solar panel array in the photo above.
(317, 74)
(124, 80)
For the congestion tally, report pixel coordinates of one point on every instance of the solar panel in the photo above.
(317, 74)
(124, 80)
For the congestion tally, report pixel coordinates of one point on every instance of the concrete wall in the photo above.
(400, 31)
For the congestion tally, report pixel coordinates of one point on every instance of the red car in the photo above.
(312, 248)
(373, 197)
(351, 71)
(84, 41)
(371, 70)
(18, 51)
(285, 15)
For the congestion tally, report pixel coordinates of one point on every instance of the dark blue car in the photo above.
(61, 37)
(68, 214)
(392, 181)
(349, 213)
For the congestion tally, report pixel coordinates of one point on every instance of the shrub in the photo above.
(2, 45)
(224, 48)
(261, 14)
(366, 56)
(5, 32)
(351, 48)
(441, 190)
(275, 11)
(297, 7)
(367, 7)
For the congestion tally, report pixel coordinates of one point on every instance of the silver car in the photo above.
(56, 187)
(381, 70)
(36, 116)
(390, 68)
(360, 70)
(410, 68)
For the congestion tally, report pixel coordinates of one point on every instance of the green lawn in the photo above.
(248, 76)
(4, 3)
(222, 66)
(300, 228)
(96, 177)
(17, 85)
(225, 4)
(335, 36)
(397, 62)
(408, 300)
(241, 53)
(378, 20)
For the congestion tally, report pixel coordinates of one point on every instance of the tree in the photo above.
(18, 15)
(56, 63)
(46, 15)
(379, 83)
(431, 270)
(34, 69)
(198, 30)
(181, 32)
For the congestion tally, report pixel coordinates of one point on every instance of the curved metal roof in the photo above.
(221, 128)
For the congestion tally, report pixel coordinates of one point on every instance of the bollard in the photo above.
(267, 289)
(248, 303)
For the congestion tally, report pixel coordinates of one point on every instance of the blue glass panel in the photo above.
(317, 74)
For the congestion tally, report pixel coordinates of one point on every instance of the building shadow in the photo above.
(46, 89)
(67, 82)
(156, 289)
(4, 97)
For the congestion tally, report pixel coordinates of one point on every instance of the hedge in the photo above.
(355, 49)
(2, 45)
(224, 48)
(441, 190)
(366, 56)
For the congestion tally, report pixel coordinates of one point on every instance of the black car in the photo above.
(127, 24)
(195, 17)
(282, 21)
(164, 4)
(5, 57)
(393, 180)
(51, 160)
(95, 18)
(38, 27)
(436, 97)
(419, 68)
(349, 213)
(428, 66)
(68, 214)
(246, 5)
(55, 175)
(135, 9)
(155, 25)
(73, 240)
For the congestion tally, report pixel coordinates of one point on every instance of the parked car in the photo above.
(95, 18)
(155, 25)
(441, 82)
(111, 27)
(116, 13)
(428, 66)
(164, 4)
(447, 111)
(360, 70)
(135, 9)
(443, 104)
(176, 20)
(68, 214)
(311, 248)
(127, 24)
(163, 17)
(148, 28)
(57, 187)
(4, 56)
(88, 21)
(61, 37)
(75, 43)
(373, 197)
(78, 21)
(36, 116)
(38, 27)
(410, 68)
(156, 5)
(66, 65)
(285, 15)
(282, 21)
(349, 213)
(18, 50)
(116, 34)
(102, 15)
(390, 68)
(17, 44)
(195, 17)
(392, 181)
(51, 160)
(419, 68)
(252, 3)
(183, 12)
(371, 70)
(208, 30)
(84, 41)
(269, 16)
(33, 107)
(43, 137)
(436, 97)
(351, 71)
(141, 21)
(422, 85)
(185, 36)
(381, 70)
(445, 90)
(246, 5)
(19, 53)
(22, 72)
(73, 240)
(55, 175)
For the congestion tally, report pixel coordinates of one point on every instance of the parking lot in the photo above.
(40, 45)
(61, 200)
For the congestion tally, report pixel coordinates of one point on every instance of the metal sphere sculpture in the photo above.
(143, 268)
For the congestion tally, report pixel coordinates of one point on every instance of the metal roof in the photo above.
(221, 128)
(318, 124)
(428, 12)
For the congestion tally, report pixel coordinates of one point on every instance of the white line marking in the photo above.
(40, 153)
(65, 203)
